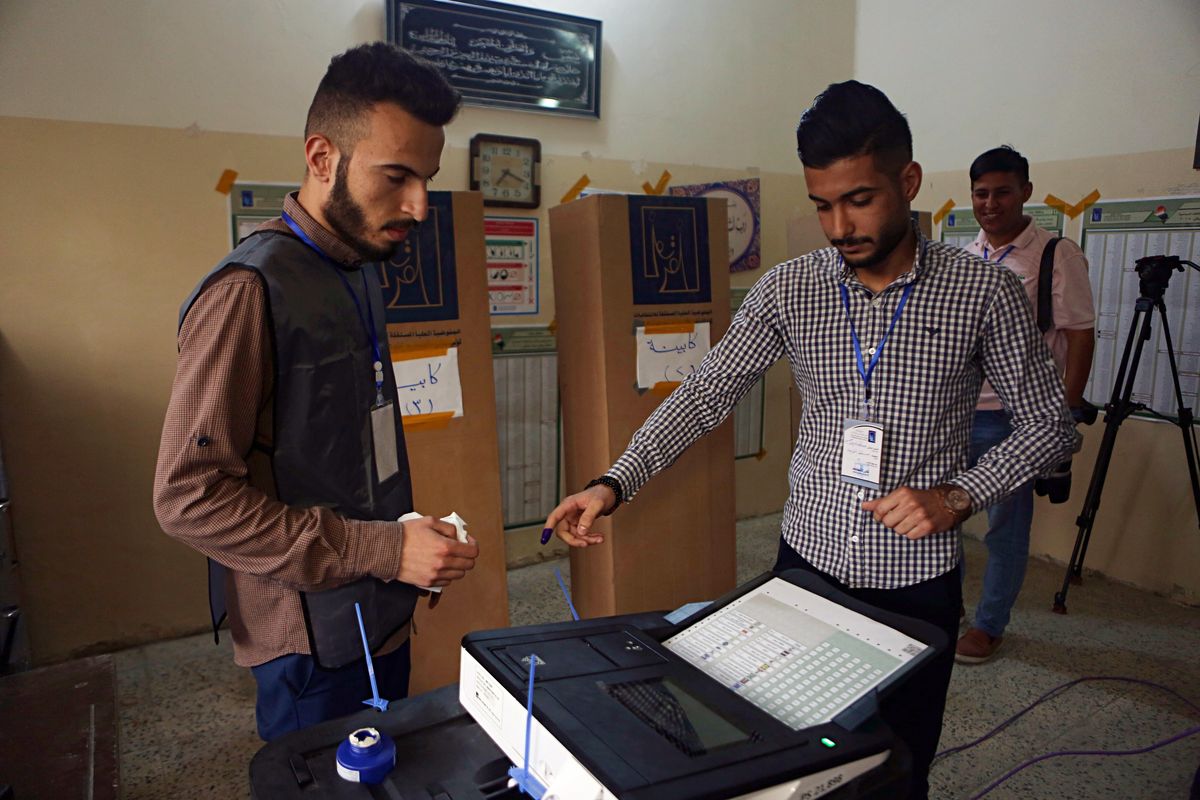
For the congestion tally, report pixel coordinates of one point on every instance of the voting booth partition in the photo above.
(641, 288)
(441, 354)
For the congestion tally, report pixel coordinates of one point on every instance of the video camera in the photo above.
(1057, 485)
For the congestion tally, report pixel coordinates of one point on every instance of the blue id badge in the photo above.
(862, 452)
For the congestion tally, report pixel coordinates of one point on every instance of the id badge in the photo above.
(383, 434)
(862, 453)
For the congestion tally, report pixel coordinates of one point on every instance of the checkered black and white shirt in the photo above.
(966, 318)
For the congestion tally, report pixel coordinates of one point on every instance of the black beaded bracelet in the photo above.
(611, 483)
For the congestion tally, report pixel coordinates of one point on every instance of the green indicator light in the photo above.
(825, 740)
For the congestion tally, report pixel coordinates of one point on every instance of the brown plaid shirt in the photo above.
(213, 488)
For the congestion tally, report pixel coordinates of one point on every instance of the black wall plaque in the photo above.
(503, 55)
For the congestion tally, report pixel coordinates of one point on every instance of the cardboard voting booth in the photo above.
(435, 293)
(641, 288)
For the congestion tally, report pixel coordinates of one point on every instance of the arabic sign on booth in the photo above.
(669, 356)
(429, 385)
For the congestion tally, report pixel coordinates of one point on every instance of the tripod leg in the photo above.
(1185, 413)
(1118, 408)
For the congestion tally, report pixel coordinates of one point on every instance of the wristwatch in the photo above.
(956, 500)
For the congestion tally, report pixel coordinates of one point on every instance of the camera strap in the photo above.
(1045, 309)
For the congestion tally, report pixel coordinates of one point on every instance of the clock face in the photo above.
(505, 171)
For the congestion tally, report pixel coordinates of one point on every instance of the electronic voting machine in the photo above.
(769, 692)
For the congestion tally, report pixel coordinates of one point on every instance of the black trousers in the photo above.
(914, 709)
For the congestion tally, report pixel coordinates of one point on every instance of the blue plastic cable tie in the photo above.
(562, 585)
(520, 776)
(375, 700)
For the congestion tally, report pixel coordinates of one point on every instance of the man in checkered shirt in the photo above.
(891, 330)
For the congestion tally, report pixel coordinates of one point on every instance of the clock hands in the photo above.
(507, 173)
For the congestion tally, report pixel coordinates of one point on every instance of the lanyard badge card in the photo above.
(862, 439)
(862, 452)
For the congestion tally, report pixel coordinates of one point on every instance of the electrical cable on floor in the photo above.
(1054, 693)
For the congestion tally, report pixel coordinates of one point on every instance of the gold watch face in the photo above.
(958, 500)
(506, 171)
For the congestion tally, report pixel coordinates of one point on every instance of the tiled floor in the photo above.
(187, 713)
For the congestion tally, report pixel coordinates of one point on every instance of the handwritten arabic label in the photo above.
(670, 357)
(519, 58)
(429, 385)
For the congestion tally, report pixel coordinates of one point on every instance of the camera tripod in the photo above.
(1154, 273)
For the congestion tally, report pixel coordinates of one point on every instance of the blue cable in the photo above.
(566, 594)
(521, 777)
(375, 701)
(1057, 690)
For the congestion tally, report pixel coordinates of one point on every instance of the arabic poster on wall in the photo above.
(252, 204)
(419, 283)
(669, 352)
(504, 55)
(745, 216)
(668, 250)
(512, 264)
(429, 385)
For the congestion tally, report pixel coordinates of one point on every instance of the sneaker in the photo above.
(976, 647)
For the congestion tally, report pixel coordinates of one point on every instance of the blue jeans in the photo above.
(1007, 538)
(294, 693)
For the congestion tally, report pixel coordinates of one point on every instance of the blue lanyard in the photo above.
(865, 369)
(368, 321)
(1003, 255)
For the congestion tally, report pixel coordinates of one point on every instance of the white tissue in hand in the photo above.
(460, 526)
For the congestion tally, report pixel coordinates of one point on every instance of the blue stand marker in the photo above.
(521, 777)
(367, 755)
(376, 701)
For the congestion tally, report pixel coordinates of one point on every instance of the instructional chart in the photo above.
(1115, 236)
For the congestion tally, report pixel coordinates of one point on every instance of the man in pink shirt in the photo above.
(1000, 188)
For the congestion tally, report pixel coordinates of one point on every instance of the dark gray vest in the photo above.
(322, 452)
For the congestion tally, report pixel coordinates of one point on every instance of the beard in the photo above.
(889, 238)
(349, 221)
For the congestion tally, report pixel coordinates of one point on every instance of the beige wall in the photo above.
(116, 120)
(107, 227)
(1145, 531)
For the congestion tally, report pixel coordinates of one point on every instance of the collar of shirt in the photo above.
(846, 274)
(330, 244)
(1023, 240)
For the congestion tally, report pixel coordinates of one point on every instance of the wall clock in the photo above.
(507, 170)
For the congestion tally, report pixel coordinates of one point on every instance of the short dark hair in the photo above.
(1001, 159)
(379, 72)
(853, 119)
